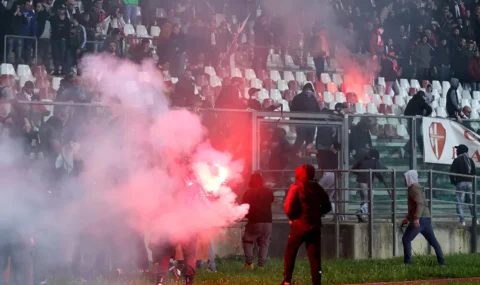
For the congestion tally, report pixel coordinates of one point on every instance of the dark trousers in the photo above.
(260, 58)
(310, 235)
(426, 229)
(319, 66)
(162, 254)
(304, 135)
(18, 249)
(43, 51)
(419, 136)
(443, 73)
(261, 234)
(59, 51)
(15, 45)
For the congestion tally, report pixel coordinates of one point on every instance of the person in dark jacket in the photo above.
(184, 95)
(370, 161)
(262, 41)
(306, 102)
(78, 41)
(329, 161)
(453, 106)
(360, 138)
(390, 71)
(305, 205)
(422, 57)
(230, 96)
(464, 165)
(18, 23)
(441, 61)
(59, 37)
(43, 43)
(418, 219)
(417, 106)
(259, 226)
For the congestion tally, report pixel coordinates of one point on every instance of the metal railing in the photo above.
(22, 38)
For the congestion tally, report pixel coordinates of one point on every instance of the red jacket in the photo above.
(474, 68)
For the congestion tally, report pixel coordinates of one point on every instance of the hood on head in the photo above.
(308, 86)
(305, 173)
(411, 177)
(256, 181)
(454, 83)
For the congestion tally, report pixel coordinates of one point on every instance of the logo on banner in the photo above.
(437, 136)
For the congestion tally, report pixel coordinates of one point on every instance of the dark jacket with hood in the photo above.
(417, 106)
(306, 101)
(260, 200)
(463, 164)
(306, 201)
(452, 99)
(360, 135)
(369, 162)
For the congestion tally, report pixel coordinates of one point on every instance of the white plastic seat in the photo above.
(282, 85)
(275, 95)
(24, 70)
(476, 95)
(332, 87)
(475, 104)
(250, 74)
(433, 114)
(436, 85)
(340, 97)
(275, 75)
(300, 77)
(372, 108)
(174, 80)
(399, 101)
(256, 83)
(414, 84)
(441, 112)
(435, 94)
(376, 99)
(331, 105)
(445, 87)
(403, 93)
(289, 62)
(235, 72)
(404, 84)
(155, 31)
(381, 81)
(465, 102)
(310, 62)
(337, 79)
(288, 76)
(359, 108)
(285, 105)
(325, 78)
(387, 100)
(328, 97)
(474, 115)
(262, 95)
(397, 110)
(368, 89)
(466, 95)
(274, 60)
(435, 104)
(367, 98)
(7, 69)
(210, 71)
(142, 32)
(56, 83)
(128, 30)
(402, 130)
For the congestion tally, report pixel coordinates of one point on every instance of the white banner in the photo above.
(440, 136)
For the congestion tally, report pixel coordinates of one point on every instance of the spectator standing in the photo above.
(377, 45)
(418, 219)
(320, 51)
(417, 106)
(184, 94)
(259, 226)
(43, 33)
(474, 71)
(262, 42)
(60, 36)
(453, 106)
(463, 165)
(230, 96)
(360, 138)
(442, 61)
(130, 12)
(370, 161)
(390, 71)
(18, 24)
(305, 205)
(422, 57)
(78, 41)
(30, 30)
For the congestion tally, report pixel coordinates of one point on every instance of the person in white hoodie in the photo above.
(113, 21)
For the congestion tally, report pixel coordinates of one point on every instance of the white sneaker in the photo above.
(462, 223)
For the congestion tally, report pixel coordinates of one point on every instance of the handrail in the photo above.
(19, 37)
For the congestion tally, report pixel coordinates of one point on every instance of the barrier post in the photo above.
(344, 155)
(394, 211)
(474, 218)
(430, 200)
(413, 144)
(370, 214)
(19, 37)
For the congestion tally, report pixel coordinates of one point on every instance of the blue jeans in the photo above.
(212, 266)
(15, 44)
(426, 229)
(464, 197)
(59, 53)
(130, 13)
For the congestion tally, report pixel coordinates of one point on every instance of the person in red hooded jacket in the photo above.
(474, 71)
(305, 205)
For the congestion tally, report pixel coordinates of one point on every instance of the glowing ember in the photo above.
(211, 177)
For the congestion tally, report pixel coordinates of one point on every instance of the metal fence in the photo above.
(23, 39)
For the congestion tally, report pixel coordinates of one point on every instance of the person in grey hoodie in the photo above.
(423, 58)
(453, 106)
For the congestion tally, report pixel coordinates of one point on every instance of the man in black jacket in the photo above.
(259, 226)
(464, 165)
(453, 106)
(60, 34)
(441, 60)
(306, 203)
(390, 71)
(417, 106)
